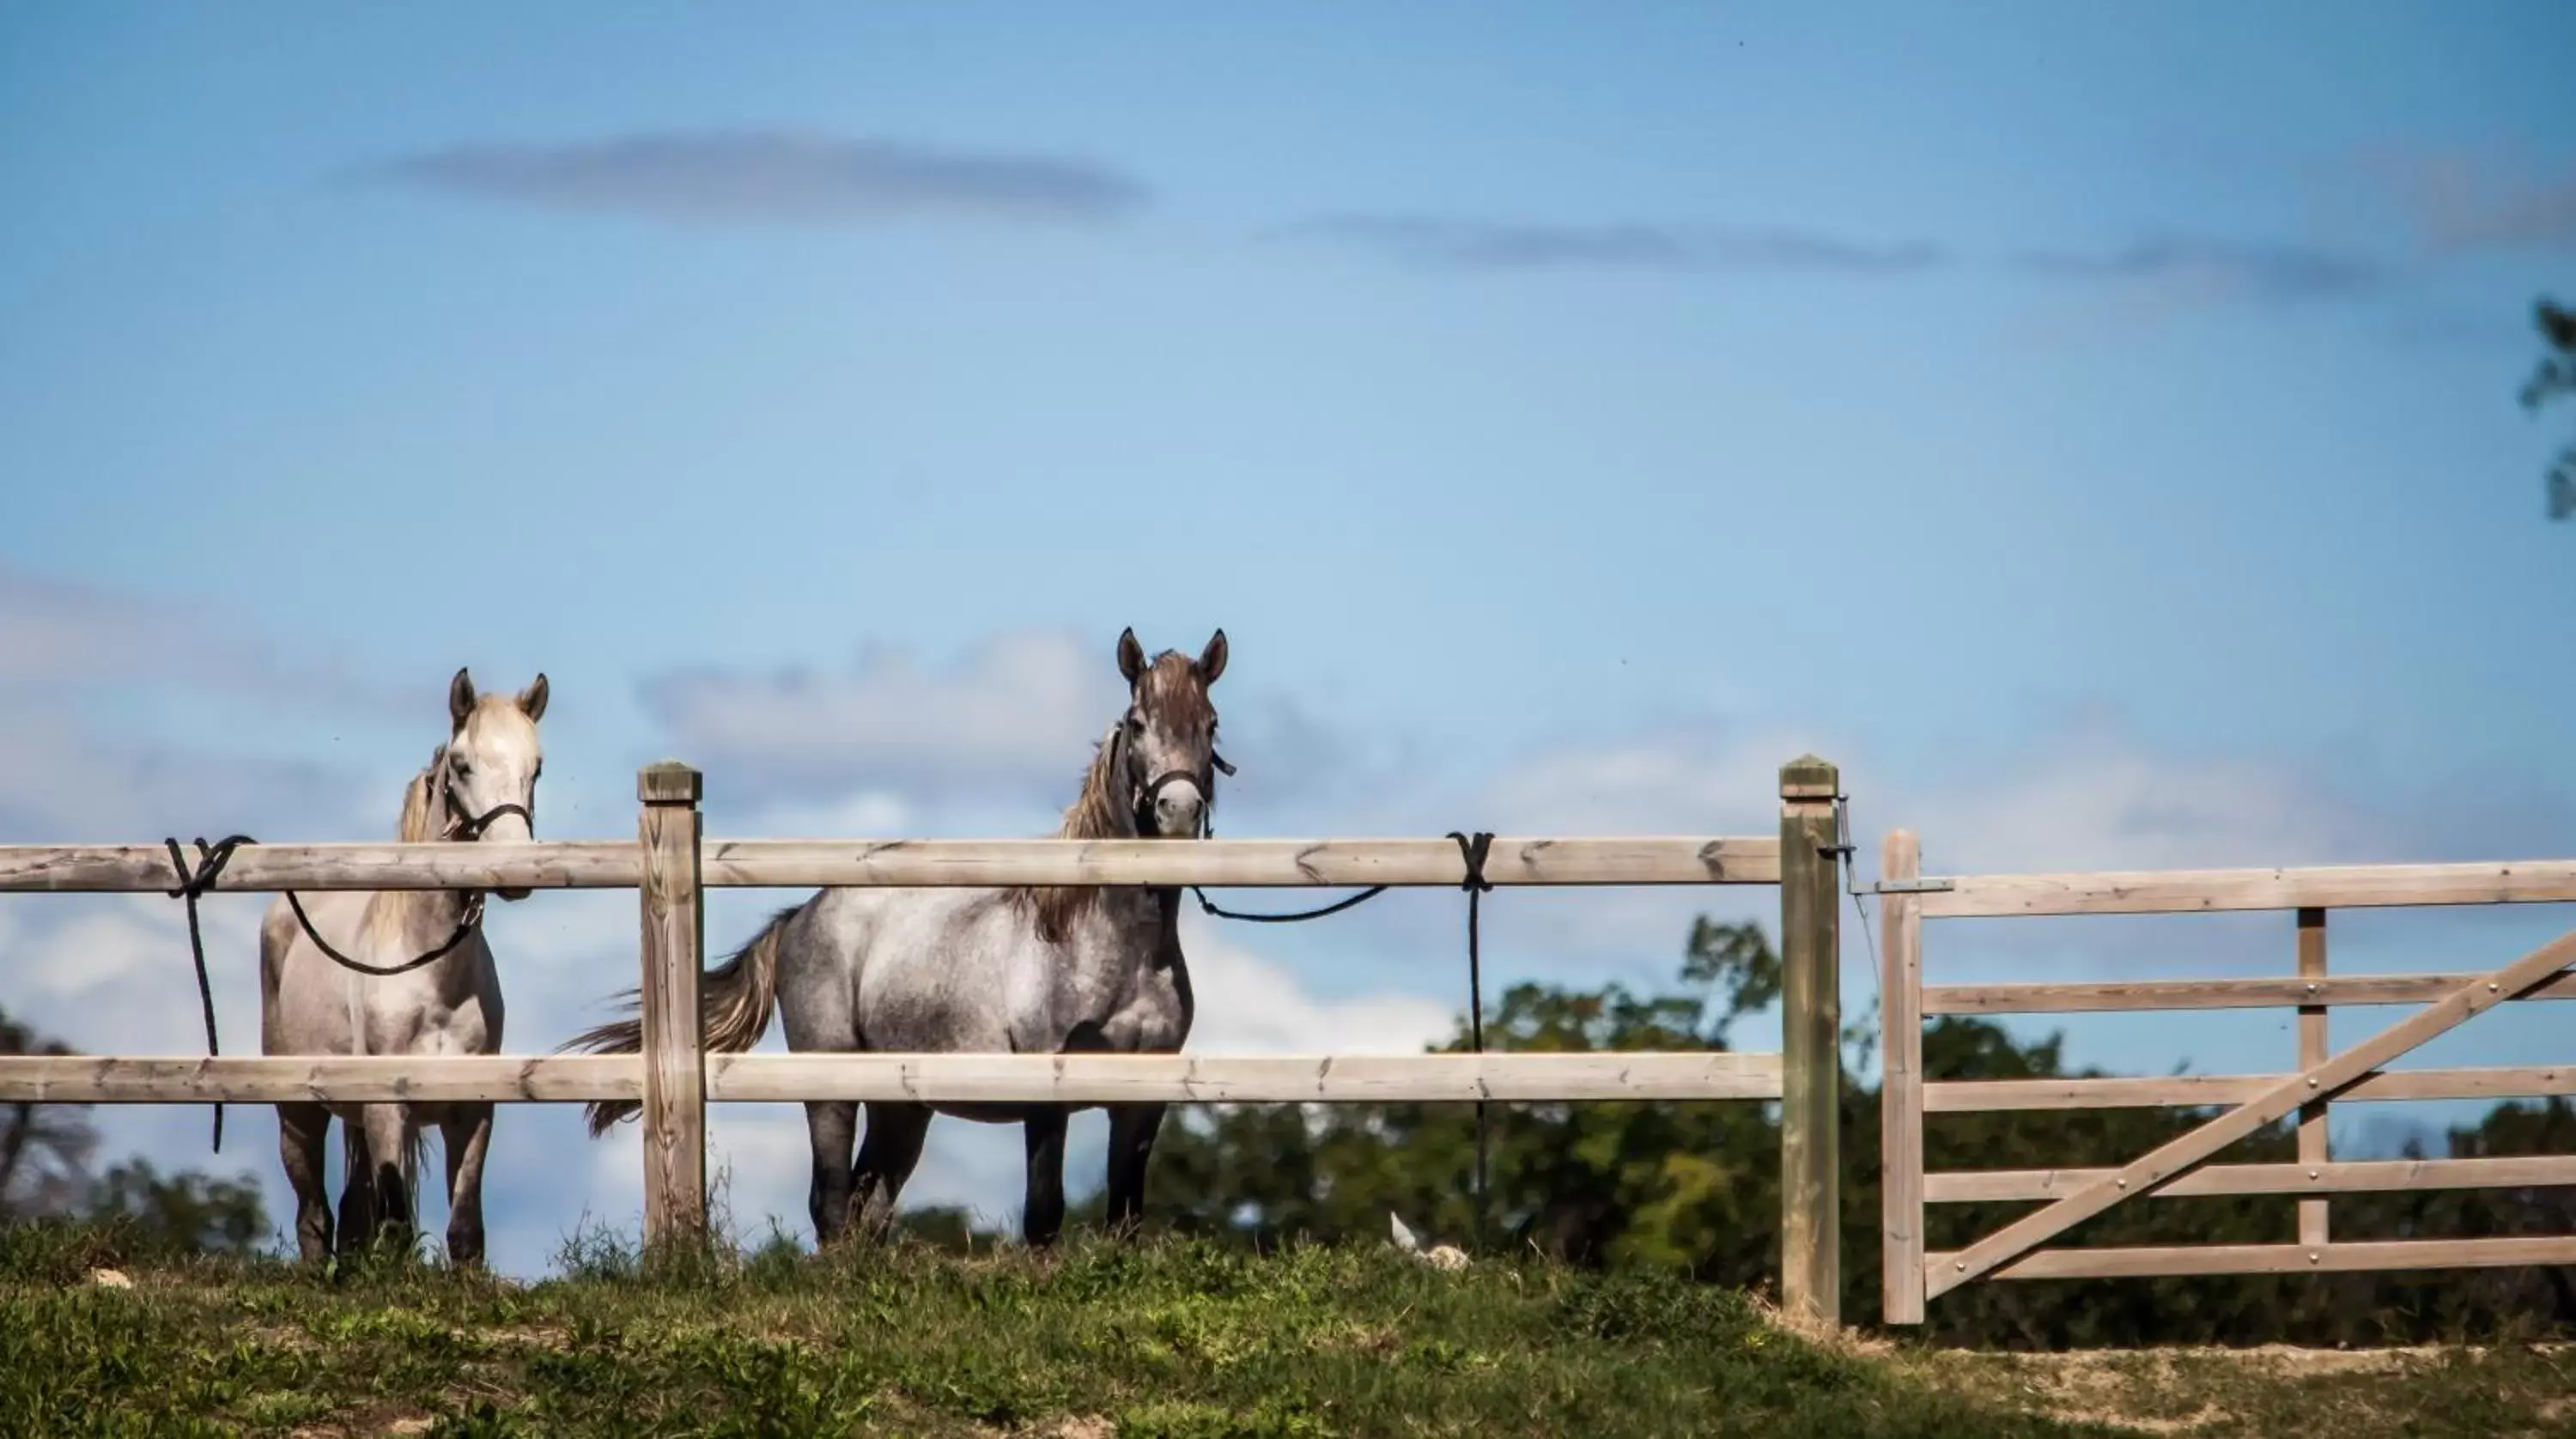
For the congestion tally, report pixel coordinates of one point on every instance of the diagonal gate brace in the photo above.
(2322, 1082)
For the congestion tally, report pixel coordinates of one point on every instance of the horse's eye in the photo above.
(1135, 724)
(460, 768)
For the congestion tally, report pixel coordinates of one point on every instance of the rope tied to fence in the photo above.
(211, 859)
(1472, 852)
(199, 880)
(1472, 849)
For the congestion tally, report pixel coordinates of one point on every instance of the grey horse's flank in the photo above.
(1022, 971)
(481, 784)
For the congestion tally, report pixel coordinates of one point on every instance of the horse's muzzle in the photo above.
(1175, 805)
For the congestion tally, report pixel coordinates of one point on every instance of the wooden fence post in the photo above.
(675, 1084)
(1810, 1042)
(1900, 1089)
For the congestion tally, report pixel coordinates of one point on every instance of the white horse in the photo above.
(1020, 971)
(404, 972)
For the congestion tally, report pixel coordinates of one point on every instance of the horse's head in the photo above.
(484, 784)
(1168, 739)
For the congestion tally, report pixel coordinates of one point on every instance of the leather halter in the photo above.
(1203, 779)
(464, 825)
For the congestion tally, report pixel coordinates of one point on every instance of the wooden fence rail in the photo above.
(670, 865)
(2182, 1167)
(1006, 1078)
(952, 863)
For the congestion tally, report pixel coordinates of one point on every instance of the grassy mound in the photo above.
(1164, 1338)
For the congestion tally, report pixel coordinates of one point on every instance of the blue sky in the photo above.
(2093, 427)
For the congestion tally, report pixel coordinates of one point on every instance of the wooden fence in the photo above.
(670, 865)
(2249, 1101)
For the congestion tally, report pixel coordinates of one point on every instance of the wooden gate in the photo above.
(1914, 1276)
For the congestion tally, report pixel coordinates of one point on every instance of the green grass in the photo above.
(1165, 1338)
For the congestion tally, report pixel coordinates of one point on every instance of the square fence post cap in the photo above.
(667, 782)
(1808, 777)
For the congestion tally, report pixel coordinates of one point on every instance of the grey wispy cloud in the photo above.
(58, 634)
(2213, 270)
(1444, 243)
(2459, 203)
(771, 177)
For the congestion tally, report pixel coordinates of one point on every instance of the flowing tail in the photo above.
(735, 1001)
(354, 1160)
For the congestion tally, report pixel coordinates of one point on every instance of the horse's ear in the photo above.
(532, 700)
(1131, 656)
(1212, 659)
(460, 698)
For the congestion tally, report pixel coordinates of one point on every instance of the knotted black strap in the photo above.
(1473, 849)
(211, 859)
(199, 880)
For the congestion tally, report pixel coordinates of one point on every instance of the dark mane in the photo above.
(1092, 815)
(1171, 693)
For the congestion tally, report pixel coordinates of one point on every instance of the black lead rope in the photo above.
(200, 880)
(211, 859)
(1207, 830)
(1473, 849)
(1336, 907)
(464, 927)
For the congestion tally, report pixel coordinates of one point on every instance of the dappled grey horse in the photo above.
(433, 989)
(1020, 971)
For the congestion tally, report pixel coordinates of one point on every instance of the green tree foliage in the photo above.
(1695, 1187)
(2553, 377)
(189, 1212)
(45, 1154)
(44, 1149)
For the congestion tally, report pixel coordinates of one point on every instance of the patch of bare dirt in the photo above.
(2152, 1391)
(390, 1421)
(1820, 1332)
(2119, 1391)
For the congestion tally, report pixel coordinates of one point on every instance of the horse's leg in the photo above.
(465, 1133)
(829, 1125)
(886, 1159)
(357, 1188)
(1132, 1128)
(302, 1132)
(1042, 1212)
(388, 1155)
